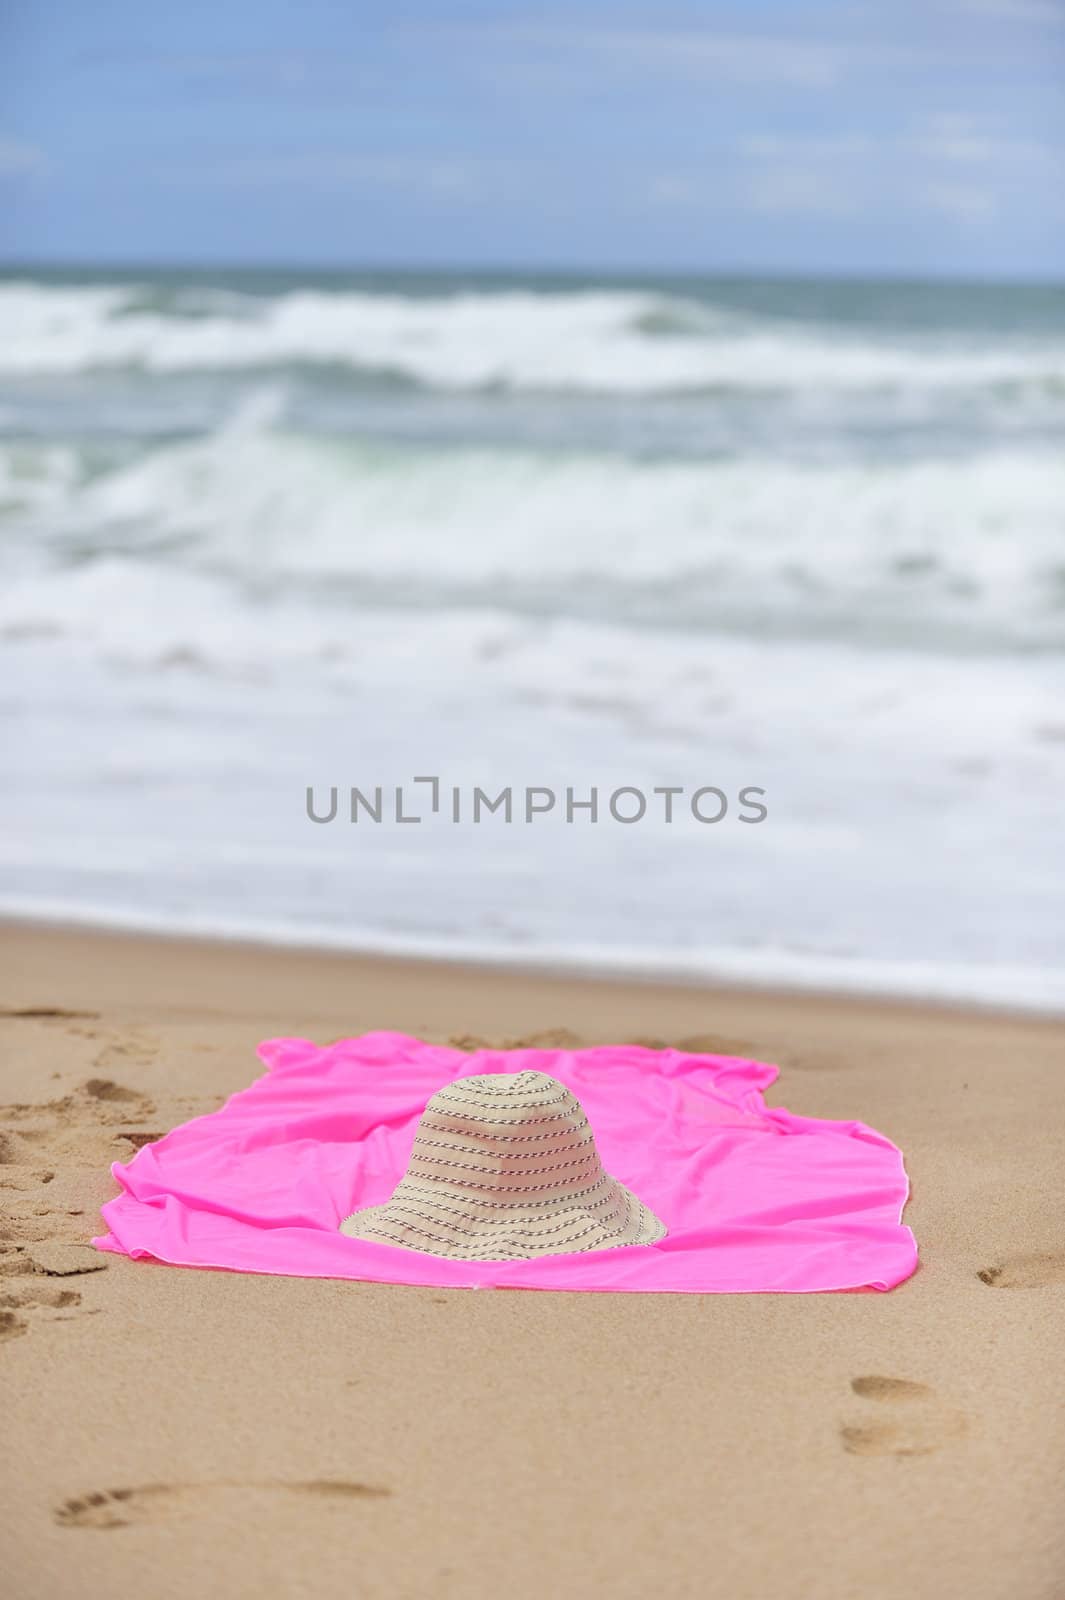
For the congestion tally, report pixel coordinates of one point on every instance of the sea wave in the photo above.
(933, 551)
(601, 341)
(260, 531)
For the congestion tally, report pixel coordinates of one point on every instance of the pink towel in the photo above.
(754, 1199)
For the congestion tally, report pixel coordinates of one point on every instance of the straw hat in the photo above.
(505, 1167)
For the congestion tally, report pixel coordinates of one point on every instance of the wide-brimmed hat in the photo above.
(505, 1167)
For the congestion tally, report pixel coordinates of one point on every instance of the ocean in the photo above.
(264, 532)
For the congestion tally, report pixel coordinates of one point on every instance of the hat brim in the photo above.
(418, 1218)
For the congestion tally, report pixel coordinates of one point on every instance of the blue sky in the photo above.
(906, 136)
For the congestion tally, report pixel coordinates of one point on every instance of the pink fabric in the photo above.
(754, 1199)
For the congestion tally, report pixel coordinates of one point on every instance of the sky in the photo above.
(914, 137)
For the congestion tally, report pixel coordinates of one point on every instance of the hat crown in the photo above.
(509, 1133)
(527, 1089)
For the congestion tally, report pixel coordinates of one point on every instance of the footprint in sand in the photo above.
(914, 1421)
(16, 1299)
(21, 1179)
(102, 1098)
(154, 1502)
(1035, 1271)
(11, 1152)
(12, 1326)
(73, 1139)
(45, 1014)
(76, 1137)
(108, 1102)
(696, 1044)
(105, 1089)
(139, 1140)
(549, 1039)
(707, 1044)
(131, 1048)
(716, 1044)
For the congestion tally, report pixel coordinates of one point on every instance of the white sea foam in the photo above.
(939, 549)
(598, 341)
(912, 800)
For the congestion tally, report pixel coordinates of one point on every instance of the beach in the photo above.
(532, 668)
(178, 1432)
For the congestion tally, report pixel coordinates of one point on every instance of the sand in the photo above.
(173, 1433)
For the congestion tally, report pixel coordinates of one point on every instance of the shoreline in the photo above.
(818, 978)
(189, 1432)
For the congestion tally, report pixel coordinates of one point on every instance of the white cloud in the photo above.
(699, 53)
(764, 172)
(19, 160)
(696, 53)
(340, 170)
(534, 47)
(842, 147)
(814, 176)
(673, 189)
(298, 72)
(1044, 12)
(797, 190)
(957, 139)
(968, 203)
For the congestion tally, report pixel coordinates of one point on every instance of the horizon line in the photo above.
(502, 269)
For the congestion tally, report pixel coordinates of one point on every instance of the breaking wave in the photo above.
(624, 342)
